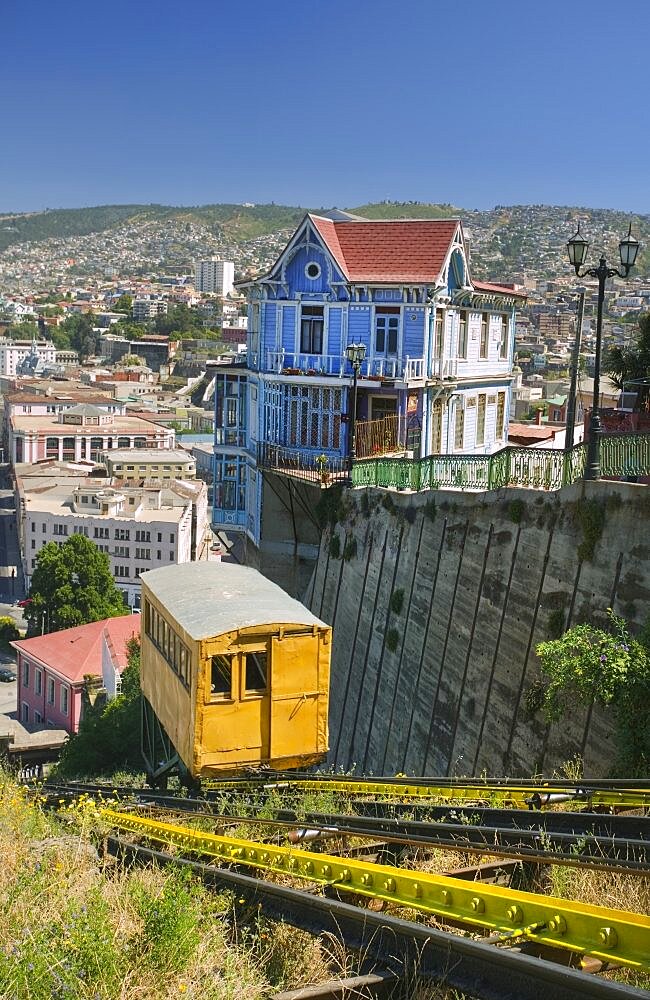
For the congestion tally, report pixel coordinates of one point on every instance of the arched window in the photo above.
(123, 442)
(52, 447)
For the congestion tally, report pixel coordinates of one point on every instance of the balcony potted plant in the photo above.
(322, 462)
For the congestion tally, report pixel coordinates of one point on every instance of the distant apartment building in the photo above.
(156, 350)
(81, 433)
(216, 276)
(14, 352)
(138, 527)
(559, 325)
(149, 307)
(150, 464)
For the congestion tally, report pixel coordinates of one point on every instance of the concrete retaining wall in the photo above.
(438, 601)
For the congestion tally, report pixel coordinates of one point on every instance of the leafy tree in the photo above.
(71, 585)
(631, 363)
(124, 304)
(131, 359)
(109, 732)
(607, 666)
(179, 319)
(79, 329)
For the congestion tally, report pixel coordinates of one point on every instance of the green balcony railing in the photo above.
(622, 456)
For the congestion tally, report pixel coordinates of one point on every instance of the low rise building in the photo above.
(52, 669)
(149, 464)
(81, 432)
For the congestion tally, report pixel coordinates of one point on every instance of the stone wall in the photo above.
(438, 601)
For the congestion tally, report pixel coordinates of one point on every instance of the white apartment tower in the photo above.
(215, 276)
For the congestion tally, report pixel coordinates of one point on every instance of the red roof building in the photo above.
(52, 668)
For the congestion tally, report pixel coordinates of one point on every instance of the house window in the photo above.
(480, 420)
(221, 675)
(462, 334)
(255, 672)
(438, 334)
(459, 434)
(64, 700)
(485, 329)
(38, 718)
(38, 681)
(143, 553)
(50, 691)
(25, 714)
(25, 674)
(501, 414)
(143, 536)
(33, 526)
(311, 330)
(503, 340)
(387, 331)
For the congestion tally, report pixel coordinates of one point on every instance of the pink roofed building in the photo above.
(51, 669)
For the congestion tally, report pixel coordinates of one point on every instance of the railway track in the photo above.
(612, 843)
(518, 923)
(405, 947)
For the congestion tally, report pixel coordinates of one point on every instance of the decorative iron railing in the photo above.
(622, 456)
(312, 466)
(378, 437)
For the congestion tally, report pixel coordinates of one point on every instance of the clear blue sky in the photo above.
(476, 103)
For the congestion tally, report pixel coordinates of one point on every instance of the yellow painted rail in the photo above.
(609, 935)
(511, 795)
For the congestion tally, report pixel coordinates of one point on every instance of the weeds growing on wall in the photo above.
(350, 548)
(335, 546)
(516, 511)
(392, 639)
(591, 515)
(330, 508)
(397, 600)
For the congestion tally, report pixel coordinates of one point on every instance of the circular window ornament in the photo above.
(312, 270)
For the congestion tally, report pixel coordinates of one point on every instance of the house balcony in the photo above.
(406, 369)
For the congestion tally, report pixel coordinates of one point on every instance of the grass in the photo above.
(76, 925)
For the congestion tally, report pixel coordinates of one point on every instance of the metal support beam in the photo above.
(609, 935)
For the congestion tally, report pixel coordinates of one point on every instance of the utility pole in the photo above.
(575, 361)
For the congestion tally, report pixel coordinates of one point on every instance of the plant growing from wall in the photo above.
(516, 511)
(591, 515)
(430, 510)
(330, 508)
(350, 548)
(335, 546)
(392, 639)
(397, 600)
(610, 667)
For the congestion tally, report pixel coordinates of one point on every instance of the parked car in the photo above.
(6, 674)
(25, 603)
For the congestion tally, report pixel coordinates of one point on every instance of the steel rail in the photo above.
(590, 824)
(516, 795)
(541, 846)
(608, 935)
(519, 795)
(462, 963)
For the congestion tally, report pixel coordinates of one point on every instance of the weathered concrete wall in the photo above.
(438, 685)
(290, 535)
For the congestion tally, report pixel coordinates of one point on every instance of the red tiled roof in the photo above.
(525, 433)
(489, 286)
(75, 652)
(394, 250)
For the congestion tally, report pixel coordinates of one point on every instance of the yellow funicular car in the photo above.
(234, 674)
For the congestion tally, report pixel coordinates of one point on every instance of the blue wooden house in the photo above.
(436, 374)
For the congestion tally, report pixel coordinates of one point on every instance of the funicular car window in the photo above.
(256, 671)
(221, 675)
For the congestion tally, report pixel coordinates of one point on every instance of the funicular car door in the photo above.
(295, 695)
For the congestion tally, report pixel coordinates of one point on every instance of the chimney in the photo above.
(538, 417)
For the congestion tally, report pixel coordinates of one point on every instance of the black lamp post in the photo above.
(577, 248)
(355, 353)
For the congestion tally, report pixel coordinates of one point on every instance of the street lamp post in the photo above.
(577, 248)
(355, 353)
